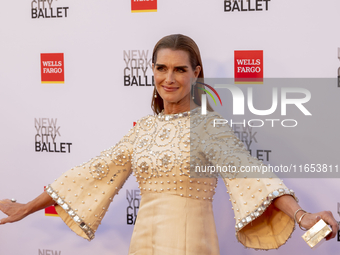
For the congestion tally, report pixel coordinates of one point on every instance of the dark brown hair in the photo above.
(185, 43)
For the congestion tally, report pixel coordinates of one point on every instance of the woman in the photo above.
(175, 215)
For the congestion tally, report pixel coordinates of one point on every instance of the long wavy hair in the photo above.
(185, 43)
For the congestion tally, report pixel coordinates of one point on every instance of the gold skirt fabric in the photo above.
(169, 224)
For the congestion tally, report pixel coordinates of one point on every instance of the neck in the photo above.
(173, 108)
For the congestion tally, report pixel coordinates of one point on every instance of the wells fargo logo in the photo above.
(52, 68)
(143, 5)
(248, 66)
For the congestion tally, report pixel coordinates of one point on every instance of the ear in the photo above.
(197, 71)
(153, 67)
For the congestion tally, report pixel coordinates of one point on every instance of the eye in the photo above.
(160, 68)
(180, 70)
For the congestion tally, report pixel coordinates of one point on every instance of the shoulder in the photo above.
(210, 124)
(146, 123)
(209, 119)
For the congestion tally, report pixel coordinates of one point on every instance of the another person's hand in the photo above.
(310, 219)
(14, 211)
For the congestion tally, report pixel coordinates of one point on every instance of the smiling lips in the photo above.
(170, 88)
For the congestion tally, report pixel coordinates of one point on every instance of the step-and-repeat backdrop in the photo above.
(76, 75)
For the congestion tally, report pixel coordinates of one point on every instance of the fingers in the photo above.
(311, 219)
(1, 205)
(4, 202)
(331, 221)
(3, 221)
(327, 216)
(5, 206)
(6, 220)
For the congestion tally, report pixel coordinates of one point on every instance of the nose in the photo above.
(170, 78)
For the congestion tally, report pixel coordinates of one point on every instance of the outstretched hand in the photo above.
(14, 211)
(288, 205)
(310, 219)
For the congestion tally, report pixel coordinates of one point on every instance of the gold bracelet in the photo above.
(300, 209)
(299, 222)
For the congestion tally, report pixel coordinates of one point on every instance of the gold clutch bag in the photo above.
(316, 234)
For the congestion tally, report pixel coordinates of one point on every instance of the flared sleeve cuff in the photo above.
(70, 216)
(84, 193)
(265, 227)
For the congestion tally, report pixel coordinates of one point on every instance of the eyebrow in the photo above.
(175, 66)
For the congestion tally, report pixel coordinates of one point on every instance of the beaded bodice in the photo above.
(161, 157)
(163, 152)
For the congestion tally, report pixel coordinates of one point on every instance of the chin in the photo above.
(171, 101)
(170, 98)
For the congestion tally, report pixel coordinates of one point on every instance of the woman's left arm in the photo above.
(289, 206)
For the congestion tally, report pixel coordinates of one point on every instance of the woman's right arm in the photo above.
(83, 194)
(17, 211)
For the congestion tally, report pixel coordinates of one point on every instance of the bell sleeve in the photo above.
(259, 224)
(83, 194)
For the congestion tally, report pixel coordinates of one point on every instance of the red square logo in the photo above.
(143, 5)
(50, 211)
(248, 66)
(52, 68)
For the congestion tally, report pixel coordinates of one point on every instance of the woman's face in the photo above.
(173, 76)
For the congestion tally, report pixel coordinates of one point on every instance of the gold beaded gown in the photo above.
(175, 215)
